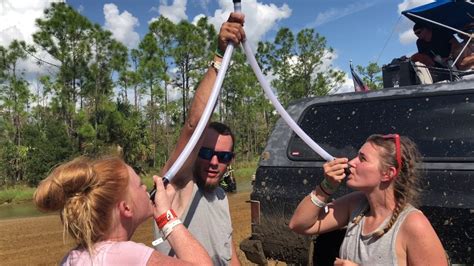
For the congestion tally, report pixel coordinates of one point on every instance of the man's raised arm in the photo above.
(231, 31)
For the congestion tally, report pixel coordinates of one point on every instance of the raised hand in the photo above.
(232, 30)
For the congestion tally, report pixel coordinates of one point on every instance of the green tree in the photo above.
(109, 57)
(151, 71)
(135, 78)
(64, 34)
(48, 144)
(190, 58)
(298, 65)
(164, 32)
(246, 108)
(371, 75)
(131, 134)
(14, 101)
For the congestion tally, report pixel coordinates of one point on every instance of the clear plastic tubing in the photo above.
(266, 87)
(213, 98)
(205, 116)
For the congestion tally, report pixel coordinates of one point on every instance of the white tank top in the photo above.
(208, 219)
(368, 249)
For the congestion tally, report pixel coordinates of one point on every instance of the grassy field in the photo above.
(16, 194)
(243, 172)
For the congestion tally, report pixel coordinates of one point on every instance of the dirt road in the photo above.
(39, 240)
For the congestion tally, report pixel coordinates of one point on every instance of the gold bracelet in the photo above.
(216, 65)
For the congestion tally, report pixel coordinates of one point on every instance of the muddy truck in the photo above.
(438, 117)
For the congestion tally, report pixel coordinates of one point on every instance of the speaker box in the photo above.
(399, 73)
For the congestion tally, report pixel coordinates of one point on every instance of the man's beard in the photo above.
(201, 183)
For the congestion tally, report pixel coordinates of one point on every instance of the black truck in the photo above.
(438, 117)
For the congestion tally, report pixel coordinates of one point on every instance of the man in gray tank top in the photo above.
(197, 198)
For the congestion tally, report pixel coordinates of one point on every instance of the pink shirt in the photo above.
(110, 253)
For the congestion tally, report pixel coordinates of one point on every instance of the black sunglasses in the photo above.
(222, 156)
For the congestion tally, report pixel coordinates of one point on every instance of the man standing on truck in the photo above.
(197, 198)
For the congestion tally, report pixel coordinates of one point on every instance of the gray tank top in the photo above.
(207, 217)
(367, 249)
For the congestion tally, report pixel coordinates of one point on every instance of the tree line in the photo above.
(99, 97)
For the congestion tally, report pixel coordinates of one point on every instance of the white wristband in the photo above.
(158, 241)
(316, 201)
(168, 228)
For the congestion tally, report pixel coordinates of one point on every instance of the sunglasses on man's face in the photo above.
(222, 156)
(418, 32)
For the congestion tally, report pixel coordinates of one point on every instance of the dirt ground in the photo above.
(39, 240)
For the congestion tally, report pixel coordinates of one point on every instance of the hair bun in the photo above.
(76, 177)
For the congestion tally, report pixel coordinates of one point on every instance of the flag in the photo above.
(358, 83)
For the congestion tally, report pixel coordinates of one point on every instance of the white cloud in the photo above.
(18, 19)
(406, 34)
(174, 12)
(174, 93)
(18, 23)
(204, 4)
(328, 59)
(327, 63)
(33, 70)
(197, 18)
(264, 15)
(407, 4)
(347, 86)
(121, 25)
(337, 13)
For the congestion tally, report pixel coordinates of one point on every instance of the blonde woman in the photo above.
(383, 227)
(101, 203)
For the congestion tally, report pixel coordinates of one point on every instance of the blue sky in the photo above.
(358, 30)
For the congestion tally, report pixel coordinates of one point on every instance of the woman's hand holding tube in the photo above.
(334, 174)
(162, 200)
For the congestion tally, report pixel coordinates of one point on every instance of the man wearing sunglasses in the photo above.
(196, 196)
